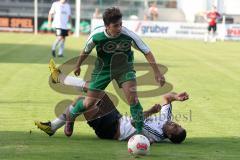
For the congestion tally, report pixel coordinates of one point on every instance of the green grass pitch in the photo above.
(210, 73)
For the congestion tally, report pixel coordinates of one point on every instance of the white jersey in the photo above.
(153, 126)
(61, 12)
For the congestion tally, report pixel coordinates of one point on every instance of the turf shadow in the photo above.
(23, 145)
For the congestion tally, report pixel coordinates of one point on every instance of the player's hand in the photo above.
(160, 79)
(182, 96)
(77, 71)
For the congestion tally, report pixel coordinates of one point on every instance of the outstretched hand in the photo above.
(160, 79)
(77, 71)
(182, 96)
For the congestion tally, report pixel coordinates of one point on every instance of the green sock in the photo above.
(77, 109)
(137, 115)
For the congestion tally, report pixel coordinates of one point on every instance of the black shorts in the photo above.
(106, 127)
(214, 28)
(61, 32)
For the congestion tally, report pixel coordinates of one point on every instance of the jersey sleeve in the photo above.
(166, 112)
(52, 9)
(90, 42)
(89, 45)
(137, 42)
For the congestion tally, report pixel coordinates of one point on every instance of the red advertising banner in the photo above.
(17, 24)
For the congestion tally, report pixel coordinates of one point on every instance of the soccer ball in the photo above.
(138, 145)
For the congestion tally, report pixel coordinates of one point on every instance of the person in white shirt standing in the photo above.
(60, 13)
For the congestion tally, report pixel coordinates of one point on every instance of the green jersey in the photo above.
(114, 53)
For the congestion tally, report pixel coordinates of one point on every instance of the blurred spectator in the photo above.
(97, 13)
(152, 12)
(212, 17)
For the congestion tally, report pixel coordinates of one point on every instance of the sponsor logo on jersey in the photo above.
(113, 46)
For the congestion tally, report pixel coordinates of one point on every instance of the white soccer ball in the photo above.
(138, 145)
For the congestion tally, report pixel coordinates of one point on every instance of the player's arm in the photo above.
(50, 15)
(50, 20)
(69, 14)
(69, 19)
(158, 75)
(154, 109)
(172, 96)
(81, 59)
(142, 47)
(84, 54)
(167, 100)
(166, 111)
(218, 15)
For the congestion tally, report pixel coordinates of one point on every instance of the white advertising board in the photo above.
(176, 30)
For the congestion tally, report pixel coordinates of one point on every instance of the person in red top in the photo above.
(212, 17)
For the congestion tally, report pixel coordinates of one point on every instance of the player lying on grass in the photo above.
(108, 123)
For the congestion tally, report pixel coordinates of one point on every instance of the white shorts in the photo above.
(126, 128)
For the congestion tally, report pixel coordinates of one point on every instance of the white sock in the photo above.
(74, 81)
(61, 47)
(214, 37)
(59, 121)
(56, 43)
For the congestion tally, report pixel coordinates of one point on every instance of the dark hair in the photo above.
(179, 137)
(111, 15)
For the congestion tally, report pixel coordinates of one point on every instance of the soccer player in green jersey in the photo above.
(114, 61)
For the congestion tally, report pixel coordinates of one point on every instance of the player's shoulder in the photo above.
(125, 30)
(97, 30)
(129, 33)
(56, 3)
